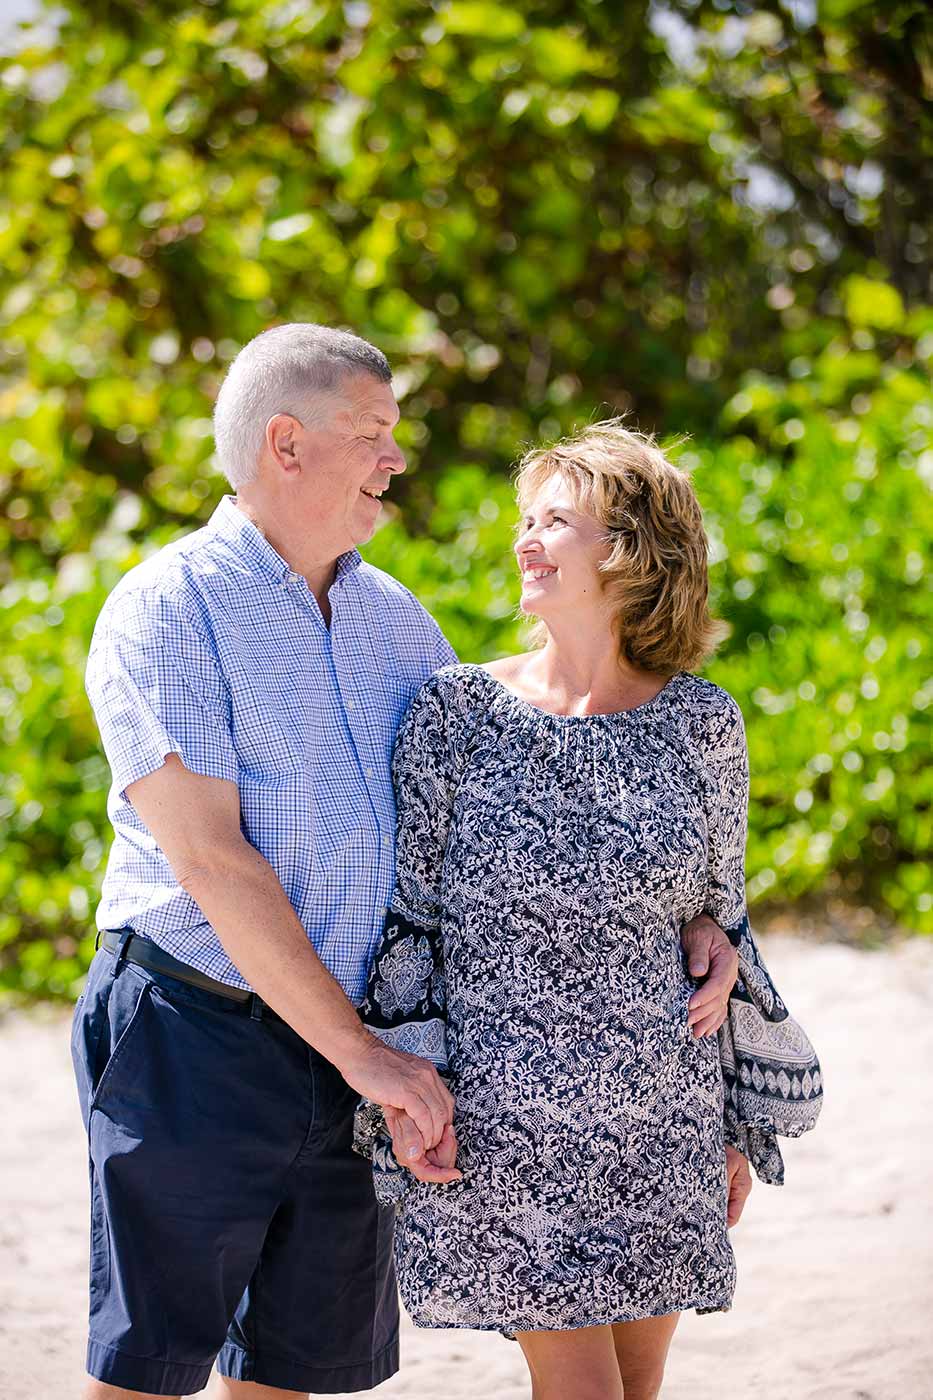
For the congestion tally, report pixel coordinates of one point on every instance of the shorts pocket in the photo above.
(88, 1026)
(122, 1033)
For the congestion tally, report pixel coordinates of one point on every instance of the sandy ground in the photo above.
(835, 1268)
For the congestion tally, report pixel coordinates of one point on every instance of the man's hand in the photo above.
(740, 1184)
(437, 1164)
(396, 1080)
(709, 955)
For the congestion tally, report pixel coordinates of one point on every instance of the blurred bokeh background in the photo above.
(714, 216)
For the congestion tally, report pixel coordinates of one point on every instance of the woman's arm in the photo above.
(771, 1076)
(406, 996)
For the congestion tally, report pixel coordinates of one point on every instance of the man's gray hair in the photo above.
(281, 371)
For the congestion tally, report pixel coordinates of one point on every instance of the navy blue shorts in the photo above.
(230, 1219)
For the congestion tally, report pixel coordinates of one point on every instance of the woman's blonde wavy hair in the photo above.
(655, 576)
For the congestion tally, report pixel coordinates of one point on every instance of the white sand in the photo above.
(835, 1268)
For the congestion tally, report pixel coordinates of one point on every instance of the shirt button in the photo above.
(369, 772)
(293, 578)
(387, 841)
(350, 705)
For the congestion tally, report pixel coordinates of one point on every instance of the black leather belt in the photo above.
(148, 954)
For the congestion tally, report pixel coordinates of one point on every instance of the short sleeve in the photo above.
(444, 654)
(156, 688)
(726, 764)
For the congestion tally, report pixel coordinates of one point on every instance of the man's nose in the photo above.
(395, 459)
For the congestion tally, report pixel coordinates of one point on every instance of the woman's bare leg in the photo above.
(580, 1363)
(641, 1350)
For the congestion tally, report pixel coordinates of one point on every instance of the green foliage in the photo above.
(708, 213)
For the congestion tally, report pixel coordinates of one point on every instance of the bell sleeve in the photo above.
(405, 1003)
(772, 1082)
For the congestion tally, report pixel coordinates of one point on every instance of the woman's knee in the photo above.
(642, 1383)
(581, 1388)
(641, 1352)
(580, 1363)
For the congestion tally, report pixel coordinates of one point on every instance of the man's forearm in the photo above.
(243, 900)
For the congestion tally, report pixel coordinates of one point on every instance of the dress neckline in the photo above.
(527, 706)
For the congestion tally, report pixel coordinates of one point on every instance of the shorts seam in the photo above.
(263, 1353)
(153, 1360)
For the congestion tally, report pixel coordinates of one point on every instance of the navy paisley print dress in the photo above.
(532, 950)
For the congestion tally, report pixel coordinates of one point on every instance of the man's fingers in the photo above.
(709, 951)
(722, 976)
(707, 995)
(436, 1165)
(428, 1121)
(707, 1009)
(708, 1024)
(412, 1111)
(740, 1185)
(437, 1100)
(724, 966)
(407, 1142)
(738, 1195)
(697, 941)
(424, 1097)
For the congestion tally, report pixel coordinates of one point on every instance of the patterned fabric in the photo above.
(772, 1077)
(215, 650)
(546, 865)
(406, 1006)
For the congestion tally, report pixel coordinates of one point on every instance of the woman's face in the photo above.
(559, 550)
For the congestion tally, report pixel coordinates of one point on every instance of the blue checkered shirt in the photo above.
(215, 650)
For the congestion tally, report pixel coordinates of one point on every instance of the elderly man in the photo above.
(248, 682)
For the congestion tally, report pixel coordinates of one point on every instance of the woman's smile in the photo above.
(534, 573)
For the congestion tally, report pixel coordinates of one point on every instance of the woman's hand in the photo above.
(435, 1165)
(740, 1184)
(709, 955)
(405, 1083)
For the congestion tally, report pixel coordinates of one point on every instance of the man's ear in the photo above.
(282, 441)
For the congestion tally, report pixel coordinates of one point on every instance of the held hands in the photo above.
(709, 955)
(740, 1184)
(436, 1164)
(417, 1105)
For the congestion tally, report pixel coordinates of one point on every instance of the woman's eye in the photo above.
(558, 519)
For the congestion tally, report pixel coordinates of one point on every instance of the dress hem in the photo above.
(701, 1306)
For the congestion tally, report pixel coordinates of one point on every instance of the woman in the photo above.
(561, 814)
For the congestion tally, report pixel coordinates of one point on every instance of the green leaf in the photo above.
(471, 17)
(872, 303)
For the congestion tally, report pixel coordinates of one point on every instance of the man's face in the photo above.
(348, 457)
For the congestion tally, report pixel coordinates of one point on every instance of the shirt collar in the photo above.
(230, 524)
